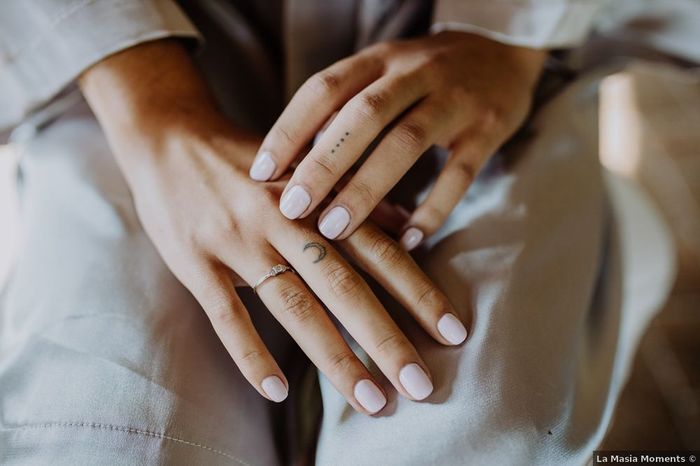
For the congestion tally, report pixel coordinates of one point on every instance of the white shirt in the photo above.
(46, 44)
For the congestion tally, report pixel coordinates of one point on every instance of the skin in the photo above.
(456, 90)
(187, 168)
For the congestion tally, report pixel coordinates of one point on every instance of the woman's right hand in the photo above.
(187, 168)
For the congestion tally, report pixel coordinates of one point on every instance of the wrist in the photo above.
(150, 97)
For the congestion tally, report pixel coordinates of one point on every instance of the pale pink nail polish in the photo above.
(263, 167)
(295, 202)
(369, 396)
(411, 238)
(274, 388)
(415, 381)
(452, 329)
(334, 222)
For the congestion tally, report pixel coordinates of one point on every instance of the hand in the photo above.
(187, 169)
(453, 89)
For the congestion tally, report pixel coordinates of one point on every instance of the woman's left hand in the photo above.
(456, 90)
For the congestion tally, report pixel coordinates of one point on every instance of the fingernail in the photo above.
(263, 167)
(452, 329)
(415, 381)
(411, 238)
(369, 396)
(295, 202)
(274, 388)
(334, 222)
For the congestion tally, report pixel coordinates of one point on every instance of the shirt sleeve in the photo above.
(46, 44)
(541, 24)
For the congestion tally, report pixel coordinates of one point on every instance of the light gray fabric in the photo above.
(106, 359)
(532, 257)
(542, 24)
(46, 44)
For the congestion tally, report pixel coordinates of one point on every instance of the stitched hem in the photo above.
(128, 430)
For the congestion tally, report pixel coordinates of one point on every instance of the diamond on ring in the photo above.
(274, 271)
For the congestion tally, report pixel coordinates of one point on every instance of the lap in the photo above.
(105, 357)
(530, 258)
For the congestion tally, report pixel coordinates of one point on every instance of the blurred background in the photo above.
(650, 136)
(648, 53)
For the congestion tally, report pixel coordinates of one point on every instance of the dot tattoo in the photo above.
(338, 144)
(318, 246)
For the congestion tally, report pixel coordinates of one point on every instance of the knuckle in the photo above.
(324, 83)
(286, 135)
(431, 298)
(432, 216)
(363, 193)
(392, 345)
(383, 250)
(459, 96)
(492, 118)
(220, 311)
(342, 281)
(438, 60)
(342, 363)
(370, 105)
(465, 170)
(297, 303)
(411, 136)
(382, 48)
(252, 358)
(325, 164)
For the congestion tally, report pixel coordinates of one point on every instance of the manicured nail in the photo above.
(452, 329)
(415, 381)
(295, 202)
(274, 388)
(334, 222)
(263, 167)
(369, 396)
(411, 238)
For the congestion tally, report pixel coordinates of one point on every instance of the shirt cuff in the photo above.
(73, 37)
(540, 24)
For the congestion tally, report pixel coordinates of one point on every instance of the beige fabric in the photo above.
(542, 24)
(46, 44)
(106, 359)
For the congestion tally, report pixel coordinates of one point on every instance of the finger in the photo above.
(355, 127)
(395, 270)
(412, 135)
(215, 292)
(310, 107)
(350, 299)
(299, 312)
(389, 217)
(466, 159)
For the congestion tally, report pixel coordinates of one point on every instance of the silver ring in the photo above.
(274, 271)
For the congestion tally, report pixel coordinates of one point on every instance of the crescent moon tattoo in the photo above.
(321, 250)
